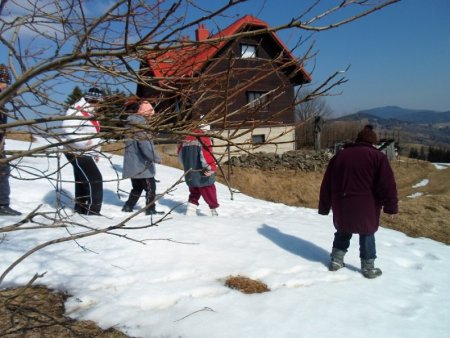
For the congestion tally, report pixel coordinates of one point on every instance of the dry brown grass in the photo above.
(20, 136)
(424, 216)
(36, 312)
(289, 187)
(427, 215)
(246, 285)
(116, 148)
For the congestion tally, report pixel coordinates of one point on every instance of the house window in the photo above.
(257, 100)
(248, 51)
(258, 139)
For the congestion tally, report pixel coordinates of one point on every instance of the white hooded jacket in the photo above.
(73, 130)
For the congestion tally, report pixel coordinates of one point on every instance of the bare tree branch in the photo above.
(55, 43)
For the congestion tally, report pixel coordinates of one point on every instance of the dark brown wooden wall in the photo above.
(236, 73)
(227, 78)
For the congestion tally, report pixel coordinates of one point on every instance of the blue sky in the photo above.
(397, 56)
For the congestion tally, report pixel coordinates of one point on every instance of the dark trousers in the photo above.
(4, 182)
(139, 185)
(88, 184)
(367, 249)
(208, 193)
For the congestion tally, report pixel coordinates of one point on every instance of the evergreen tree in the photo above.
(432, 154)
(413, 153)
(73, 97)
(439, 155)
(445, 155)
(422, 154)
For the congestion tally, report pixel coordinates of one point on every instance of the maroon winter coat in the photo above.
(358, 182)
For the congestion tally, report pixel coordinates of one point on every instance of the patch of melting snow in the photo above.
(421, 183)
(441, 166)
(415, 195)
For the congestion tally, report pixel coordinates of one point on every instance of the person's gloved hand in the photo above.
(206, 172)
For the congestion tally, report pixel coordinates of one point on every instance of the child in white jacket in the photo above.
(82, 152)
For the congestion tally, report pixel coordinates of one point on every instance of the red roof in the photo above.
(188, 60)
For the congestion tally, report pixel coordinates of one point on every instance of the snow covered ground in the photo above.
(168, 281)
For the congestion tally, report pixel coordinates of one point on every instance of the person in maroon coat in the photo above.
(357, 184)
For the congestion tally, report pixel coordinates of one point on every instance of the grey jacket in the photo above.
(140, 153)
(195, 156)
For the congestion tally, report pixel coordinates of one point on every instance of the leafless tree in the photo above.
(310, 113)
(52, 43)
(311, 106)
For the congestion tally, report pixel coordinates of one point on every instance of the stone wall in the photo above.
(296, 160)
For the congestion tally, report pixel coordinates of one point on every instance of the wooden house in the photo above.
(240, 79)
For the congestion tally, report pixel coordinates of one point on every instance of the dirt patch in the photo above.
(246, 285)
(34, 312)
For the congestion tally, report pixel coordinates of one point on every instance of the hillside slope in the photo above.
(427, 215)
(408, 115)
(409, 127)
(424, 211)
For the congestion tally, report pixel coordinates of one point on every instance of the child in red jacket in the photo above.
(195, 154)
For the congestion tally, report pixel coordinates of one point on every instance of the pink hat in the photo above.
(146, 108)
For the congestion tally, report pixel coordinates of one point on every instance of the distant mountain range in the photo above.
(400, 114)
(420, 127)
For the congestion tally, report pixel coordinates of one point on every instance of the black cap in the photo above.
(94, 94)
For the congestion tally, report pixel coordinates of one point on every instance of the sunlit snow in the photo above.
(168, 281)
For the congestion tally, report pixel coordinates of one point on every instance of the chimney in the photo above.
(184, 40)
(201, 33)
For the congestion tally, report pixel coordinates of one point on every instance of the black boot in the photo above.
(153, 211)
(5, 210)
(127, 208)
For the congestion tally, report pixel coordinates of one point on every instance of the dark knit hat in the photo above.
(367, 135)
(4, 74)
(94, 95)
